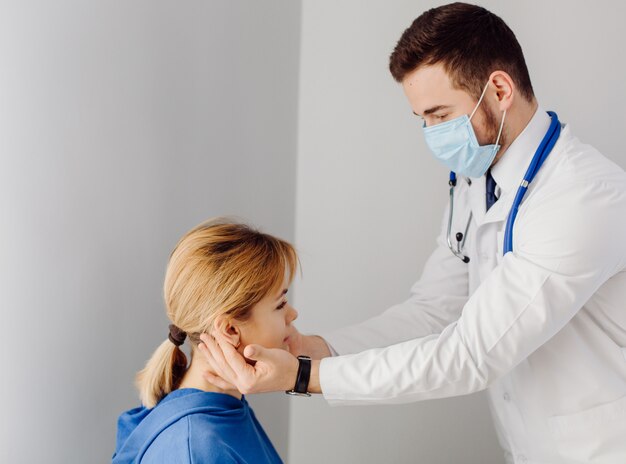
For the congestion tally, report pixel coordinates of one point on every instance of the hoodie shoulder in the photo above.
(186, 442)
(126, 423)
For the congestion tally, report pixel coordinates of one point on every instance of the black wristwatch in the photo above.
(303, 377)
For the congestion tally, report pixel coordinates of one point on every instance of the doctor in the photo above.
(541, 327)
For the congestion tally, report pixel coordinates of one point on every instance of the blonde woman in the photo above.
(226, 277)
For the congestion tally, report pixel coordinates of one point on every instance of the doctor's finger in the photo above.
(207, 355)
(233, 358)
(213, 353)
(209, 376)
(219, 382)
(211, 345)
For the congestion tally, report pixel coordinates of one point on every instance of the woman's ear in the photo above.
(228, 329)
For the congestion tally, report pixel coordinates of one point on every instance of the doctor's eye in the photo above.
(441, 117)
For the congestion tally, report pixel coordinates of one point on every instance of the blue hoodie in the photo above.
(193, 426)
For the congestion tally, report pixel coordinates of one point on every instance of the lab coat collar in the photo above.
(509, 171)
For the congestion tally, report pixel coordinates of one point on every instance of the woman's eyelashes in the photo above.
(282, 304)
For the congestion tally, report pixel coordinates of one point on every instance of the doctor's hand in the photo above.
(313, 346)
(273, 369)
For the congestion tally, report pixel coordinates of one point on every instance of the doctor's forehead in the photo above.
(428, 87)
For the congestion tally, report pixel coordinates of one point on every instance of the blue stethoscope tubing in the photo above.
(544, 149)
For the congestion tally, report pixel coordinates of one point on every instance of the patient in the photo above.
(221, 276)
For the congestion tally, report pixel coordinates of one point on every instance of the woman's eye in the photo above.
(282, 305)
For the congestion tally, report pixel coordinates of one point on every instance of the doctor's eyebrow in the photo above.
(434, 109)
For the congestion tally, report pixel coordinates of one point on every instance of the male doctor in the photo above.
(542, 327)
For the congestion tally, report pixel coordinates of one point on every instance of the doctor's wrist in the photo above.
(314, 380)
(303, 377)
(315, 347)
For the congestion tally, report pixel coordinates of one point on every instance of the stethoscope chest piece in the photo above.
(459, 236)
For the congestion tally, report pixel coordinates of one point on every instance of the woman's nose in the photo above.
(293, 314)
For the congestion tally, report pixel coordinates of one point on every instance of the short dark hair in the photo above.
(470, 42)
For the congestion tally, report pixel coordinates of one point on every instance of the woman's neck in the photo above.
(194, 378)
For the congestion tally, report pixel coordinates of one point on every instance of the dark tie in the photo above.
(491, 190)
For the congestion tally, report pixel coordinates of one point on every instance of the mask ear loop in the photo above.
(501, 122)
(501, 126)
(496, 147)
(479, 100)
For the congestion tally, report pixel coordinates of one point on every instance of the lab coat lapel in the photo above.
(509, 171)
(500, 209)
(477, 202)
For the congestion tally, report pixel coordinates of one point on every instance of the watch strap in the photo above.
(302, 378)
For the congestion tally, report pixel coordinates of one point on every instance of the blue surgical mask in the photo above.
(454, 143)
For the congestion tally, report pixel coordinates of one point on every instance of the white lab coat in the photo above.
(542, 328)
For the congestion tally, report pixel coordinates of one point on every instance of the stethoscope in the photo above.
(544, 149)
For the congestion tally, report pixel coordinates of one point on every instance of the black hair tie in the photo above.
(176, 335)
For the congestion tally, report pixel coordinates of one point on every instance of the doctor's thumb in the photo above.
(254, 352)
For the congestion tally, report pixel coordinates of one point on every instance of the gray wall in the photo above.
(123, 124)
(370, 196)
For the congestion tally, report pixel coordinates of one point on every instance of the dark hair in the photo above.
(470, 42)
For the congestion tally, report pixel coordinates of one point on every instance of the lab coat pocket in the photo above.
(593, 435)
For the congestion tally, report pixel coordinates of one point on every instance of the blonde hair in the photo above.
(217, 268)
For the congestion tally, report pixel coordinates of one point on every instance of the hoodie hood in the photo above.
(139, 427)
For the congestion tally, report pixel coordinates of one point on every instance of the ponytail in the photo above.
(162, 374)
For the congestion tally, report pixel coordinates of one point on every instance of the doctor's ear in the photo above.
(228, 329)
(503, 89)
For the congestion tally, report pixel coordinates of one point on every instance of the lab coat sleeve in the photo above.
(436, 299)
(566, 244)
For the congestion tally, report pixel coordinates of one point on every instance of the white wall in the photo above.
(370, 196)
(123, 124)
